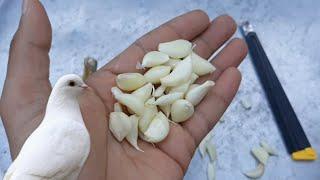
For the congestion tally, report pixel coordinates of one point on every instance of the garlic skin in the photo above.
(117, 107)
(150, 111)
(144, 93)
(181, 110)
(201, 66)
(159, 91)
(270, 150)
(132, 137)
(166, 109)
(196, 94)
(129, 100)
(203, 144)
(255, 173)
(211, 172)
(177, 49)
(168, 99)
(172, 62)
(154, 74)
(211, 149)
(180, 74)
(260, 154)
(154, 58)
(130, 81)
(119, 125)
(158, 129)
(185, 86)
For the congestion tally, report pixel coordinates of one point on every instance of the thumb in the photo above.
(31, 43)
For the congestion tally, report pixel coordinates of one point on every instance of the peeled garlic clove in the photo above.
(158, 129)
(144, 93)
(130, 81)
(185, 86)
(159, 91)
(203, 145)
(119, 125)
(172, 62)
(154, 58)
(255, 173)
(117, 107)
(268, 148)
(131, 101)
(177, 49)
(211, 172)
(201, 66)
(150, 111)
(211, 149)
(168, 99)
(181, 110)
(132, 137)
(154, 74)
(166, 109)
(261, 154)
(196, 94)
(193, 86)
(180, 74)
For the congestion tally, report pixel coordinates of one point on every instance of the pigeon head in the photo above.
(70, 84)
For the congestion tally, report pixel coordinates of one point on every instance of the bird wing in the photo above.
(54, 150)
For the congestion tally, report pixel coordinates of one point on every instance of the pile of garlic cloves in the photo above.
(166, 92)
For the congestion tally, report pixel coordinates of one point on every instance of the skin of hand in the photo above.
(27, 87)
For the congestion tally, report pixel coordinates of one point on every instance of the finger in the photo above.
(186, 26)
(212, 107)
(219, 31)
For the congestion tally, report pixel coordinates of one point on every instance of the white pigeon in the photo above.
(60, 145)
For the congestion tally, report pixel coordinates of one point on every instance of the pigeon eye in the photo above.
(71, 83)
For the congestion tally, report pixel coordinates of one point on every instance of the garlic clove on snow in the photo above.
(168, 98)
(154, 74)
(181, 110)
(117, 107)
(268, 148)
(255, 173)
(180, 74)
(150, 110)
(172, 62)
(177, 49)
(119, 125)
(261, 154)
(196, 94)
(144, 93)
(159, 91)
(154, 58)
(211, 149)
(201, 66)
(132, 137)
(158, 129)
(166, 109)
(130, 81)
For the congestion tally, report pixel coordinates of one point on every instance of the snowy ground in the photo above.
(288, 29)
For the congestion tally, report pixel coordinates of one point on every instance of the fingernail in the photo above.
(25, 5)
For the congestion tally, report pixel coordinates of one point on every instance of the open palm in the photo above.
(27, 88)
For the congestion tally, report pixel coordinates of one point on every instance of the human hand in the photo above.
(27, 87)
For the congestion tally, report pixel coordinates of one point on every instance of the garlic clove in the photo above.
(158, 129)
(193, 86)
(117, 107)
(172, 62)
(154, 74)
(185, 86)
(132, 137)
(211, 150)
(177, 49)
(130, 81)
(201, 66)
(144, 93)
(268, 148)
(166, 109)
(159, 91)
(255, 173)
(211, 172)
(131, 101)
(180, 74)
(181, 110)
(154, 58)
(196, 94)
(150, 111)
(203, 145)
(168, 99)
(119, 125)
(261, 154)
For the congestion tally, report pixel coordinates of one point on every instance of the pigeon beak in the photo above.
(84, 86)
